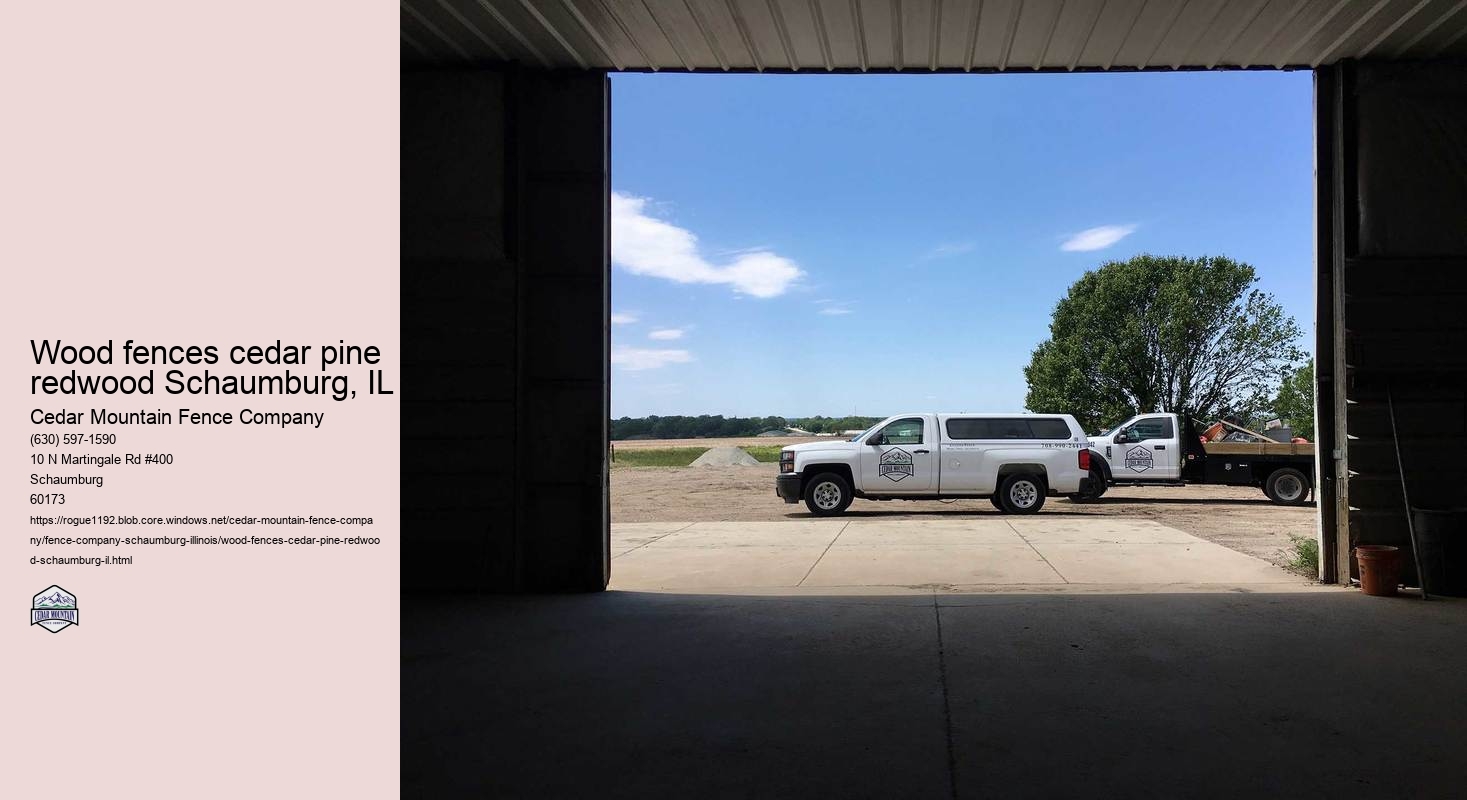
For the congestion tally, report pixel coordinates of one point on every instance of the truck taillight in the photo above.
(1085, 460)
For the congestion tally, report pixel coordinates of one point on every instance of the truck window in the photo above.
(1008, 429)
(968, 429)
(903, 431)
(1151, 428)
(1016, 428)
(1049, 429)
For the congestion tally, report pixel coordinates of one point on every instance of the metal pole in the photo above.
(1405, 497)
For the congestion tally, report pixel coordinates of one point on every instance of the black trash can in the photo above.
(1441, 533)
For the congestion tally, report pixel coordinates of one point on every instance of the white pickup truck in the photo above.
(1167, 450)
(1014, 460)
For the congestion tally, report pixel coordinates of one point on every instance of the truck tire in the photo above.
(1097, 488)
(993, 498)
(1287, 487)
(828, 494)
(1021, 494)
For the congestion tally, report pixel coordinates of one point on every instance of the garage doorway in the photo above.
(910, 262)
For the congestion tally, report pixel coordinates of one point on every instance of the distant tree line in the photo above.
(706, 426)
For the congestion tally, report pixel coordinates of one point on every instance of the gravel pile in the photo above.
(725, 457)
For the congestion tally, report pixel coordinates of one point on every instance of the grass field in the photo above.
(656, 456)
(764, 453)
(681, 456)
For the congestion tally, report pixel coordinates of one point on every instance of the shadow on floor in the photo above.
(627, 694)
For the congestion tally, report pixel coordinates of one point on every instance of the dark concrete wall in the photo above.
(1399, 253)
(504, 327)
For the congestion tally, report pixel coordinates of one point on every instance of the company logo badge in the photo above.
(896, 464)
(54, 609)
(1138, 459)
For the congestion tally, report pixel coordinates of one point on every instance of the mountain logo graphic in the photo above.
(896, 464)
(54, 609)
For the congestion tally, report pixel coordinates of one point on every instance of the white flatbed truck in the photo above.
(1167, 450)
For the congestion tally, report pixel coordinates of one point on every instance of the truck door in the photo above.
(1146, 449)
(900, 458)
(962, 455)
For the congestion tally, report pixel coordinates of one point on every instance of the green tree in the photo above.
(1162, 333)
(1295, 401)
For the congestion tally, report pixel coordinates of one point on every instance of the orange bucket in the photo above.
(1380, 569)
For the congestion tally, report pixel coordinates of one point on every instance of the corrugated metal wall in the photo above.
(1400, 258)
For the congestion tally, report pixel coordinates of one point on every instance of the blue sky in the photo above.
(836, 244)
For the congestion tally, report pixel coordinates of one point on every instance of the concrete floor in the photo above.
(965, 554)
(1324, 693)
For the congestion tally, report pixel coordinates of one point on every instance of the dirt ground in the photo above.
(1238, 518)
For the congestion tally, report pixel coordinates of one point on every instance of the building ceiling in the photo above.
(927, 35)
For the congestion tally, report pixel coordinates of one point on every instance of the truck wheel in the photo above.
(1097, 488)
(1287, 486)
(1021, 494)
(993, 498)
(828, 494)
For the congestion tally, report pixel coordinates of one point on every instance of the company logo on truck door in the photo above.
(896, 464)
(1138, 459)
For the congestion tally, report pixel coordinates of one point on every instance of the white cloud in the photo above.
(623, 319)
(640, 358)
(1097, 238)
(644, 245)
(738, 251)
(952, 249)
(666, 334)
(835, 311)
(943, 250)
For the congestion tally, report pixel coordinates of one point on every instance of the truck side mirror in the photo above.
(878, 438)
